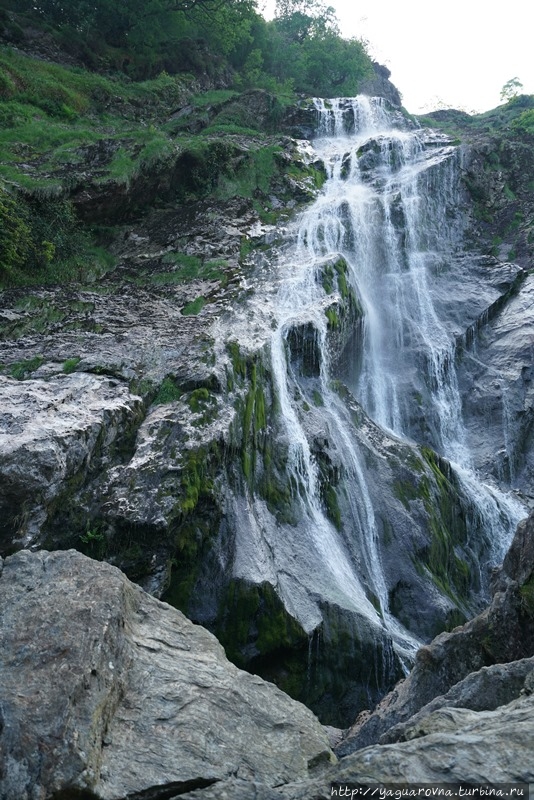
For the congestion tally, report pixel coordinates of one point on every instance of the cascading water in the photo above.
(386, 209)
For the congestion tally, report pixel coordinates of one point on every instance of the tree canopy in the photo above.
(300, 48)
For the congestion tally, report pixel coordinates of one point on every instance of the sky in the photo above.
(454, 54)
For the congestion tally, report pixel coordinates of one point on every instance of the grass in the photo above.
(22, 369)
(194, 307)
(69, 366)
(213, 97)
(256, 172)
(48, 113)
(189, 268)
(168, 392)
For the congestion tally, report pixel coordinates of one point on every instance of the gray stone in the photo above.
(107, 690)
(51, 433)
(456, 745)
(453, 745)
(503, 632)
(484, 690)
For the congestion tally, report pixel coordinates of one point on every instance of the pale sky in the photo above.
(457, 53)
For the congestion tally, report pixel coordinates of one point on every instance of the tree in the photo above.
(147, 36)
(304, 19)
(511, 89)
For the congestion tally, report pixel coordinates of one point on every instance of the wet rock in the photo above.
(485, 690)
(504, 632)
(52, 434)
(106, 690)
(458, 746)
(496, 377)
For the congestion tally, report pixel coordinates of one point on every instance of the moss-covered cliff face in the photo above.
(499, 175)
(143, 227)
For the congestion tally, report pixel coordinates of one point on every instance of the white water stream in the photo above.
(386, 209)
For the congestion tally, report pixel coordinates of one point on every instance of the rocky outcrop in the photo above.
(379, 85)
(452, 746)
(53, 433)
(108, 693)
(497, 377)
(442, 674)
(165, 453)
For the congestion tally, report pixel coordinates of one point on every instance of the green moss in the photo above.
(406, 492)
(168, 392)
(239, 362)
(253, 616)
(22, 369)
(526, 593)
(330, 501)
(198, 399)
(188, 268)
(143, 387)
(451, 572)
(254, 420)
(328, 279)
(194, 307)
(333, 318)
(70, 365)
(341, 269)
(317, 399)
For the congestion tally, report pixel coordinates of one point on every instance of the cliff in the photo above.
(156, 418)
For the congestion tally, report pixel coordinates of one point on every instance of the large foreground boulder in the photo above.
(105, 692)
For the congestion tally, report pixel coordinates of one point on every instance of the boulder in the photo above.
(108, 693)
(456, 746)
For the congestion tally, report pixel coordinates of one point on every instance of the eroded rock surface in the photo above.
(52, 433)
(504, 632)
(107, 690)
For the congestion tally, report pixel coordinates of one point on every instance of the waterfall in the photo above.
(388, 208)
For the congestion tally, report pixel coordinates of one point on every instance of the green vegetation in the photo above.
(194, 307)
(527, 597)
(23, 369)
(444, 557)
(511, 89)
(93, 543)
(112, 121)
(168, 392)
(500, 121)
(70, 365)
(301, 48)
(524, 123)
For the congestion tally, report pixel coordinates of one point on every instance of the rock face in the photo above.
(107, 693)
(107, 690)
(165, 452)
(455, 745)
(467, 667)
(53, 433)
(379, 84)
(478, 731)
